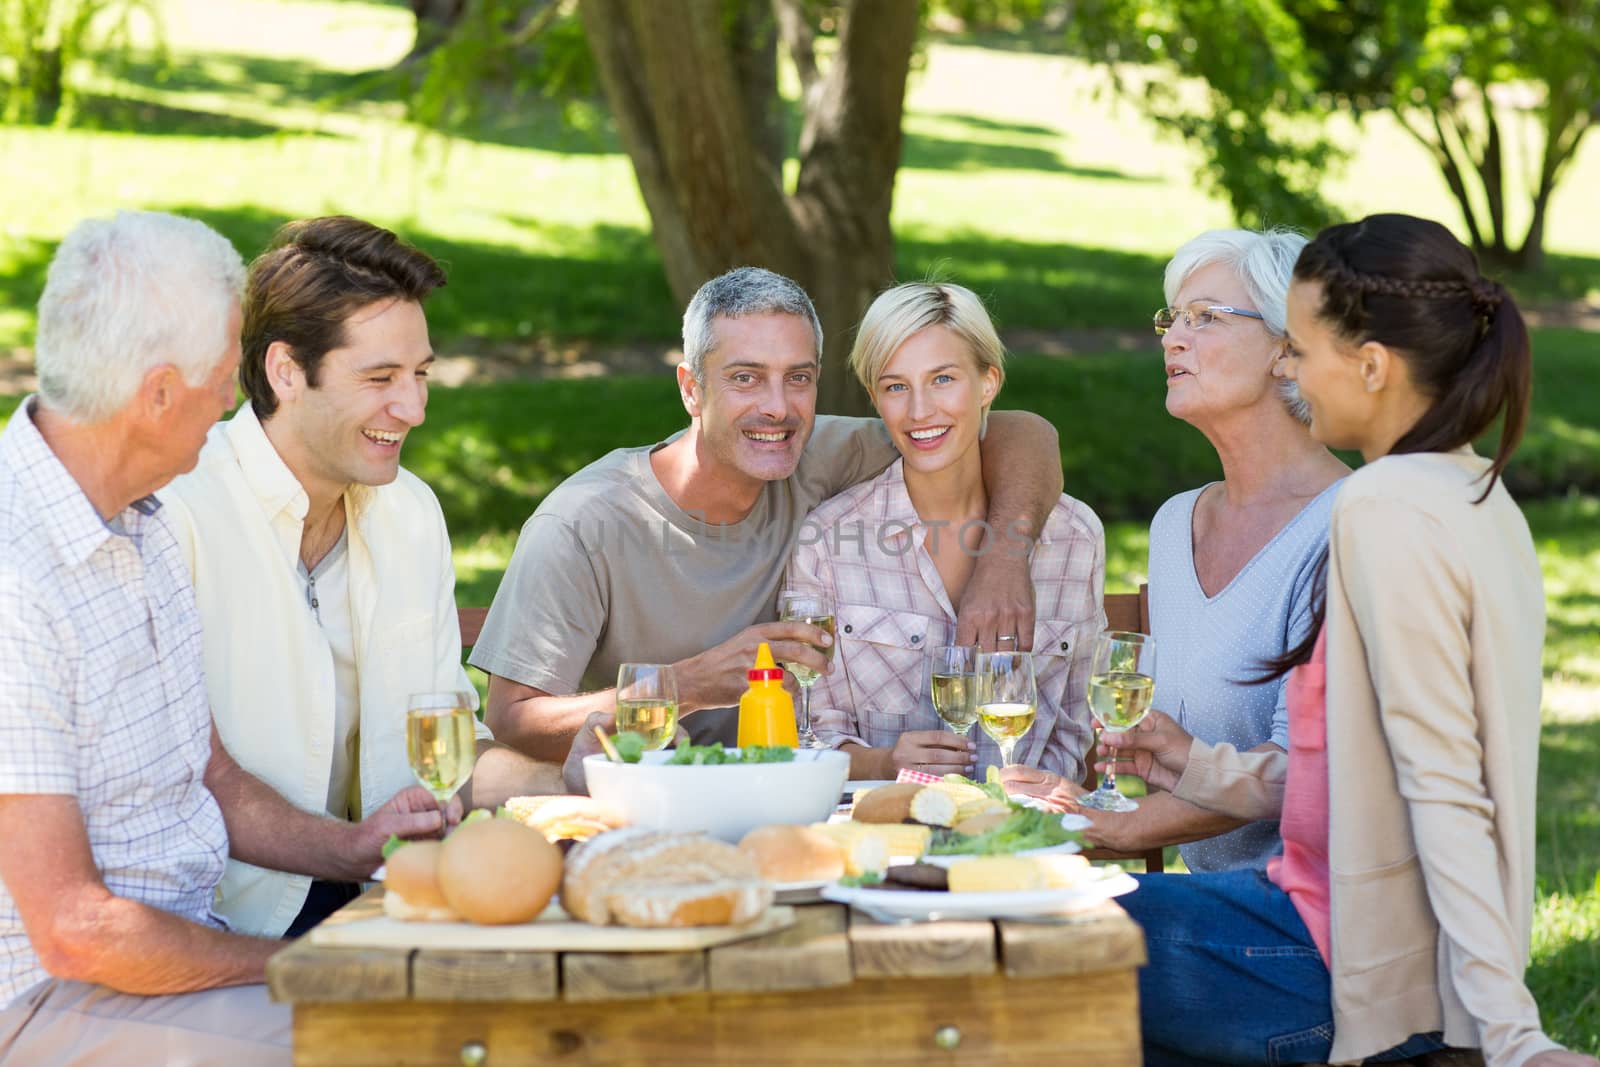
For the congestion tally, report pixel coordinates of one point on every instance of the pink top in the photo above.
(1302, 870)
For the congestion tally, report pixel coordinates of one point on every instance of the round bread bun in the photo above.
(498, 871)
(411, 885)
(793, 854)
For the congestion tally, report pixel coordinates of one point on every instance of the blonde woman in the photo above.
(896, 553)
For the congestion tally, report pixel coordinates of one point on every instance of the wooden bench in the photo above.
(1124, 611)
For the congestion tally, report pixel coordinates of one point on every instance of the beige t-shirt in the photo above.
(609, 570)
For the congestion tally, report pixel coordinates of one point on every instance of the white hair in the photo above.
(128, 294)
(1263, 261)
(741, 291)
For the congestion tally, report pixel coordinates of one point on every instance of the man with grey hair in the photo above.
(673, 552)
(118, 804)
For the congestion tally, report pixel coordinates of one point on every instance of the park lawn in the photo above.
(492, 451)
(1055, 201)
(1057, 204)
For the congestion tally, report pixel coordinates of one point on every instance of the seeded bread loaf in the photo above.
(653, 878)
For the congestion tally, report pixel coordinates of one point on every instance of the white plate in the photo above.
(1066, 848)
(851, 787)
(808, 892)
(919, 904)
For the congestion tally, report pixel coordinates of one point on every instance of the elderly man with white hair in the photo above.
(1231, 563)
(118, 805)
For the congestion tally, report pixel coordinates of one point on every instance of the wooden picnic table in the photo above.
(836, 987)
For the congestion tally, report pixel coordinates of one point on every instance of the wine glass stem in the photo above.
(1006, 748)
(1108, 781)
(805, 715)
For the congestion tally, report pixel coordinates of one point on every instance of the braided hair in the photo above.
(1408, 284)
(314, 274)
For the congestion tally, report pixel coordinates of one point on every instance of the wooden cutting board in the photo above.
(553, 931)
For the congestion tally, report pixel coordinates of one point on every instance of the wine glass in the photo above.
(1121, 688)
(815, 609)
(1007, 698)
(953, 682)
(441, 742)
(647, 702)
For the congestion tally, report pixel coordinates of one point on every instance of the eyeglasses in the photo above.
(1198, 316)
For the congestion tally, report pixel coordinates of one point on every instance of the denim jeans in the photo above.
(1234, 976)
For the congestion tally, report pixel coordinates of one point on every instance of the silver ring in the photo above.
(1007, 637)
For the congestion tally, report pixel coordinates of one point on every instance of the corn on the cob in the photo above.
(899, 839)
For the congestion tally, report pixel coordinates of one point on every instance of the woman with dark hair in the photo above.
(1398, 919)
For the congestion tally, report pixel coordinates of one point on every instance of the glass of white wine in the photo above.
(441, 741)
(647, 702)
(814, 609)
(1121, 688)
(1008, 698)
(953, 682)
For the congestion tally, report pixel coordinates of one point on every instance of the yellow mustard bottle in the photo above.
(766, 711)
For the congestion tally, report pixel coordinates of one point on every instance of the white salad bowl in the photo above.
(725, 800)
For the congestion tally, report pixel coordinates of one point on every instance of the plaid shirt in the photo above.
(867, 547)
(101, 692)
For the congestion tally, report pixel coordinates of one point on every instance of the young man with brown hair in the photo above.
(322, 567)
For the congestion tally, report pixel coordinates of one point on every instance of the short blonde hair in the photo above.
(900, 313)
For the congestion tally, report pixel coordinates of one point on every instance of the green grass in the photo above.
(1057, 203)
(1020, 178)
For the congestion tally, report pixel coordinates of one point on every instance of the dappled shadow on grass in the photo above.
(1039, 285)
(492, 453)
(150, 119)
(1563, 277)
(23, 265)
(283, 82)
(1568, 817)
(613, 289)
(1564, 978)
(923, 151)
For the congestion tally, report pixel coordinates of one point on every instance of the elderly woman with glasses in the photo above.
(1231, 563)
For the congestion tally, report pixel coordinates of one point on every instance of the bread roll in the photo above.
(411, 885)
(887, 803)
(497, 871)
(793, 854)
(651, 878)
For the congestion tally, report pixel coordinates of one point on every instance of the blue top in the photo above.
(1207, 646)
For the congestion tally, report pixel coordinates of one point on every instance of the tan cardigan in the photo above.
(1435, 620)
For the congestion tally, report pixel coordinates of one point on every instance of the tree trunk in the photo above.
(703, 158)
(435, 20)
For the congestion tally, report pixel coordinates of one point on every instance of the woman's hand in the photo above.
(1560, 1058)
(1054, 791)
(1156, 750)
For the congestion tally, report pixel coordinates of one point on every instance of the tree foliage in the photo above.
(692, 87)
(46, 46)
(1499, 94)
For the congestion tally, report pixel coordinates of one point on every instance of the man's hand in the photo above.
(716, 678)
(932, 752)
(411, 814)
(1054, 791)
(1156, 750)
(587, 743)
(998, 600)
